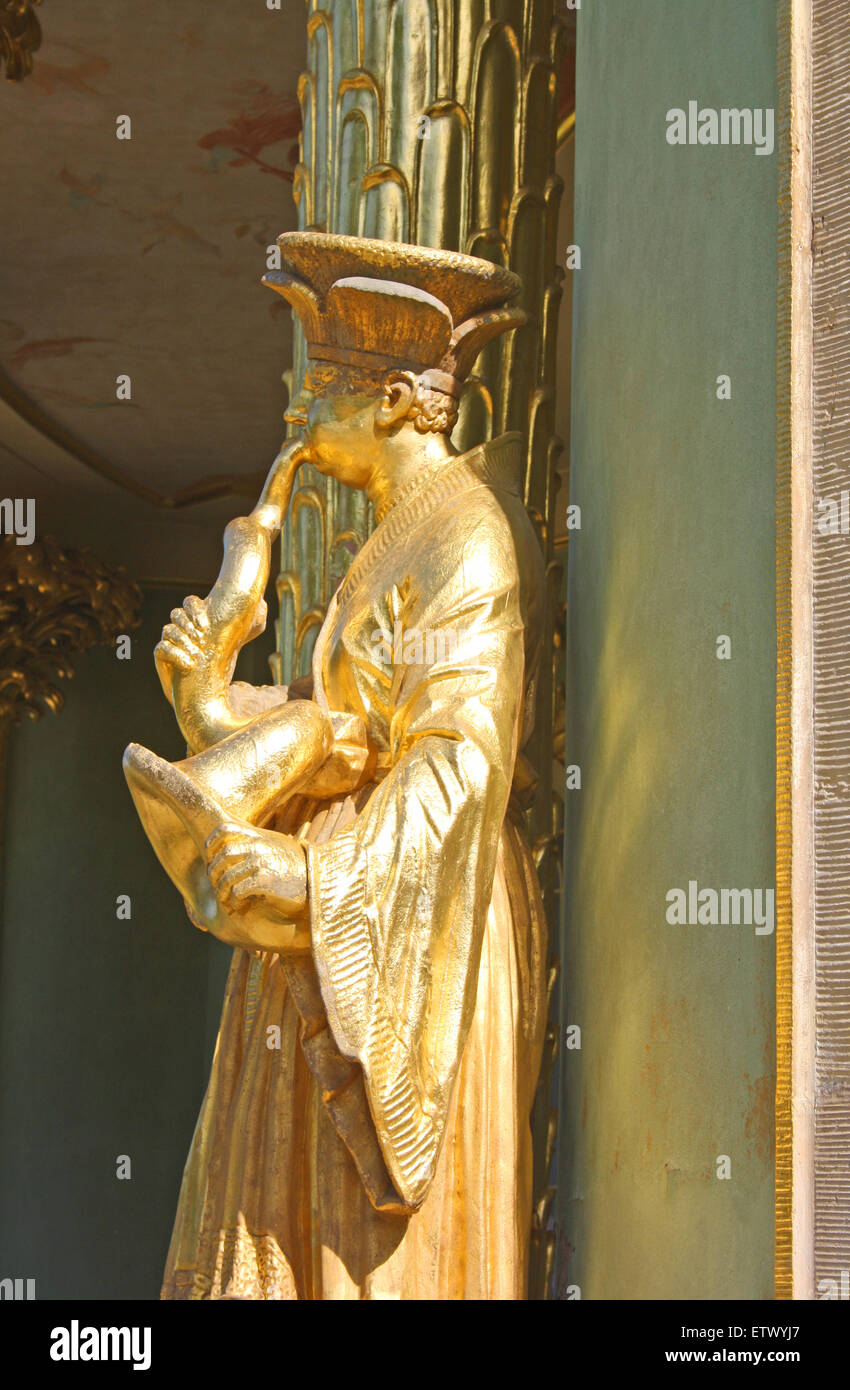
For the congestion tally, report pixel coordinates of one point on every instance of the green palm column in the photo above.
(434, 122)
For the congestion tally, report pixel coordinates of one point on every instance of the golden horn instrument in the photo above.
(233, 601)
(247, 773)
(240, 779)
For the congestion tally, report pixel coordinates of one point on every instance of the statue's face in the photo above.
(341, 430)
(340, 425)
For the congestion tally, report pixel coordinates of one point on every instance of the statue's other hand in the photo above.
(255, 868)
(189, 644)
(184, 642)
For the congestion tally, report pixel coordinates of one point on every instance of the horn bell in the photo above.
(243, 778)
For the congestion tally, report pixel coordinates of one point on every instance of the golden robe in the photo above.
(365, 1132)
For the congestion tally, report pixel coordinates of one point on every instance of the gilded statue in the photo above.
(357, 836)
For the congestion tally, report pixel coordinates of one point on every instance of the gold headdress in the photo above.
(375, 305)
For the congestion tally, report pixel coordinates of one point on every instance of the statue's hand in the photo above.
(258, 868)
(187, 645)
(182, 641)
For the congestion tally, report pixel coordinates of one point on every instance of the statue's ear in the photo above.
(399, 389)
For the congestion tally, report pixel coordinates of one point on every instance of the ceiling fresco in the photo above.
(143, 256)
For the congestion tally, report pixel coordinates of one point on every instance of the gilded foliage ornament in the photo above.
(54, 602)
(20, 36)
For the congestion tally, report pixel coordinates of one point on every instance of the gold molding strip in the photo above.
(783, 1159)
(795, 815)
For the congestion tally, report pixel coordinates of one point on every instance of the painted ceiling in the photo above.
(143, 257)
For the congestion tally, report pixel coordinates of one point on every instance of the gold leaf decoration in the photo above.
(20, 36)
(54, 603)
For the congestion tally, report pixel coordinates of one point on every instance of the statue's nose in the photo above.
(299, 408)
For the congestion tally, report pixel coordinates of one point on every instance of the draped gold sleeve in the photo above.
(399, 899)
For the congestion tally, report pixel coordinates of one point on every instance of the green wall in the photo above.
(676, 747)
(106, 1026)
